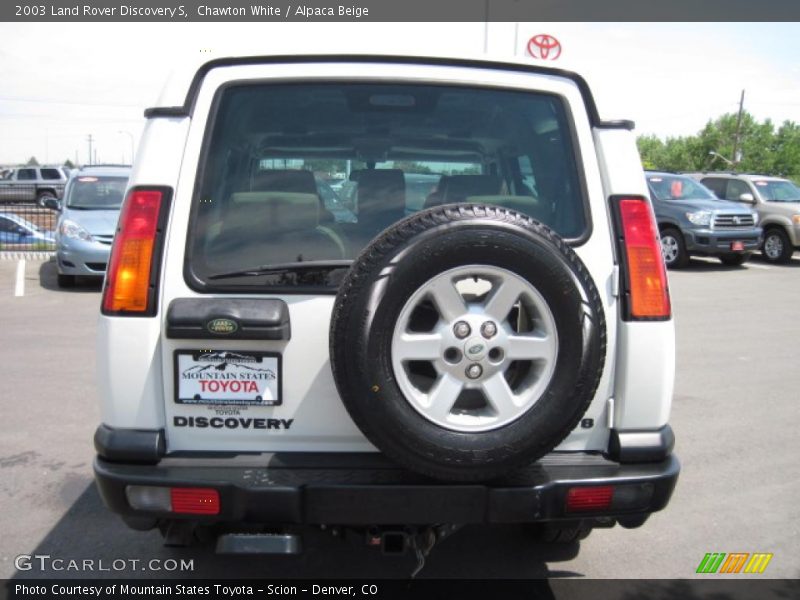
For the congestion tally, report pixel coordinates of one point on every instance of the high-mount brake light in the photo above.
(647, 289)
(131, 272)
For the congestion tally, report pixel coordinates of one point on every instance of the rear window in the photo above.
(296, 179)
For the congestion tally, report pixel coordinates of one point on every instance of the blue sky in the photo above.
(61, 82)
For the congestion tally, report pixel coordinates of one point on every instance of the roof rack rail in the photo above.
(104, 165)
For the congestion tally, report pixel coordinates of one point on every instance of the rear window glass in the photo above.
(296, 179)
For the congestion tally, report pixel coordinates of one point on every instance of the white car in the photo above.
(502, 354)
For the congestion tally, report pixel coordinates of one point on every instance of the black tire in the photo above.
(66, 281)
(681, 256)
(777, 247)
(398, 263)
(734, 260)
(42, 196)
(551, 533)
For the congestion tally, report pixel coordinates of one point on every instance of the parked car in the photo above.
(777, 202)
(504, 357)
(32, 184)
(87, 221)
(694, 222)
(18, 232)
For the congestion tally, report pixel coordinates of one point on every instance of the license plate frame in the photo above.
(737, 246)
(248, 378)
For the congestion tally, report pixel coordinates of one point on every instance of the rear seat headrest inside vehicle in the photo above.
(272, 213)
(284, 180)
(457, 188)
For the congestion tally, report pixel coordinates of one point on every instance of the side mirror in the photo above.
(52, 204)
(747, 198)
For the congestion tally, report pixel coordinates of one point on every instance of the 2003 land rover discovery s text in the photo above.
(499, 351)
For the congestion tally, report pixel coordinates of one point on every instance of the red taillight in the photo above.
(647, 276)
(195, 501)
(130, 269)
(581, 499)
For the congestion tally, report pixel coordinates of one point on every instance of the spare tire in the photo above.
(467, 340)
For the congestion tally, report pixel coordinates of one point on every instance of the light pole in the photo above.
(130, 135)
(718, 155)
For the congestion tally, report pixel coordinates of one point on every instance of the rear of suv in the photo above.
(777, 202)
(501, 352)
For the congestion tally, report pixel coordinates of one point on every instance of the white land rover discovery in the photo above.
(477, 329)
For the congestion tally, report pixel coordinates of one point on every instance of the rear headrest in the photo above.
(285, 180)
(272, 213)
(457, 188)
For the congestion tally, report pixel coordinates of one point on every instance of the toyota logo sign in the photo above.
(544, 46)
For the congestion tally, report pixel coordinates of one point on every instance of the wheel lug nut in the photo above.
(488, 329)
(461, 329)
(474, 371)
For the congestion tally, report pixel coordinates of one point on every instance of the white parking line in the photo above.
(19, 288)
(757, 266)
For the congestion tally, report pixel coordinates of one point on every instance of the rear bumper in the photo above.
(366, 489)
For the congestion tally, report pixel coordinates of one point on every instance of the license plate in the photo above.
(227, 377)
(737, 246)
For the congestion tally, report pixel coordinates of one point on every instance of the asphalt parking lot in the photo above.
(734, 414)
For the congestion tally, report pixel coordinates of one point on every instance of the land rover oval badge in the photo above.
(222, 326)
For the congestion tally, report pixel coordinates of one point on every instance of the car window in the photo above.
(778, 191)
(403, 147)
(26, 174)
(677, 187)
(716, 185)
(735, 189)
(50, 174)
(96, 193)
(8, 226)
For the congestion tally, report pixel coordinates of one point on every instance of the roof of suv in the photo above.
(179, 95)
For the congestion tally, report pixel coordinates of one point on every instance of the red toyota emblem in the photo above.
(544, 46)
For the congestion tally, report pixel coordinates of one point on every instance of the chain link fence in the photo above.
(26, 227)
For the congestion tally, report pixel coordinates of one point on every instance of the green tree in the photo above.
(32, 162)
(68, 164)
(761, 148)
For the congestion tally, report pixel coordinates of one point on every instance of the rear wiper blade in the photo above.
(290, 267)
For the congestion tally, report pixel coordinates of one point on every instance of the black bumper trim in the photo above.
(641, 446)
(348, 495)
(129, 445)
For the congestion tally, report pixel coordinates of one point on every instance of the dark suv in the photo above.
(692, 221)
